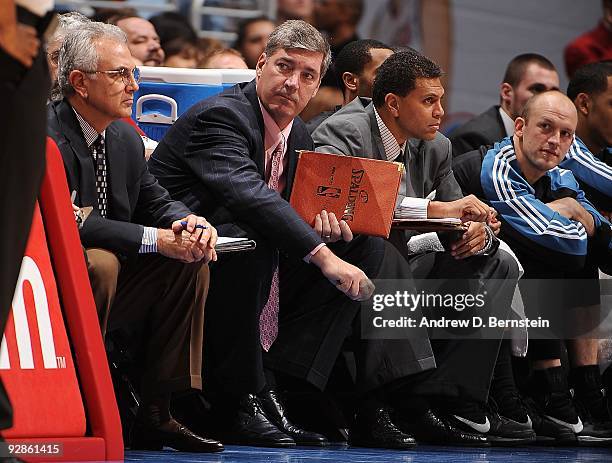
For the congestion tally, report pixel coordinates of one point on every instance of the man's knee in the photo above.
(103, 267)
(506, 265)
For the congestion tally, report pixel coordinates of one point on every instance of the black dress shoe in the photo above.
(275, 411)
(145, 436)
(433, 429)
(249, 425)
(376, 430)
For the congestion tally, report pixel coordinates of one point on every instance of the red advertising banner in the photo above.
(36, 363)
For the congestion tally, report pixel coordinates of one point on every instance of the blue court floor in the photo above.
(423, 454)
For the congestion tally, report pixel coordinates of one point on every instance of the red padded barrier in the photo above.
(103, 440)
(36, 362)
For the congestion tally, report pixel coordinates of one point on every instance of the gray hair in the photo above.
(296, 33)
(66, 22)
(78, 52)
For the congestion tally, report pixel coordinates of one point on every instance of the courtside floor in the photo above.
(423, 454)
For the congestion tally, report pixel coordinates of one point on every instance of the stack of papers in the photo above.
(227, 244)
(427, 225)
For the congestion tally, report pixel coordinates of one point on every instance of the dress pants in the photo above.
(568, 294)
(23, 128)
(161, 298)
(315, 319)
(465, 366)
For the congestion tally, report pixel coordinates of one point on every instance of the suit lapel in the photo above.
(250, 92)
(377, 144)
(116, 168)
(497, 127)
(291, 163)
(416, 167)
(84, 176)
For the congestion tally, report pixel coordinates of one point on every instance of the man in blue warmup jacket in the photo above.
(557, 234)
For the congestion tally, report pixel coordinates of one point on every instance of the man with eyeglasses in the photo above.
(146, 254)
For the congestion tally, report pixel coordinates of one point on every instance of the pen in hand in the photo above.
(202, 227)
(184, 225)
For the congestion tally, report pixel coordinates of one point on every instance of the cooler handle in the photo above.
(156, 117)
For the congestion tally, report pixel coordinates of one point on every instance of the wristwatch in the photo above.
(490, 236)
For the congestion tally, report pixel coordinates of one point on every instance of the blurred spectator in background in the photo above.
(224, 59)
(103, 15)
(143, 40)
(206, 47)
(595, 45)
(66, 22)
(170, 25)
(294, 9)
(339, 19)
(252, 38)
(181, 53)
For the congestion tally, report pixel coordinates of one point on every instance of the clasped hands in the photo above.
(193, 242)
(475, 214)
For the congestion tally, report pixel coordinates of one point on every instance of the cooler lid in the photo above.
(195, 76)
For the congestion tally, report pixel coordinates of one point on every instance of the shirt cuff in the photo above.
(149, 241)
(312, 253)
(415, 208)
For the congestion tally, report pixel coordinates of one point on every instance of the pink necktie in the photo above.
(268, 320)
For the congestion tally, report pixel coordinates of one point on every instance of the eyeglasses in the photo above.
(126, 74)
(53, 56)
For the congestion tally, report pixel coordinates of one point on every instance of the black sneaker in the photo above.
(506, 431)
(510, 405)
(467, 415)
(555, 420)
(592, 405)
(500, 431)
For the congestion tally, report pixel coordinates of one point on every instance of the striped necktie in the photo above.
(99, 155)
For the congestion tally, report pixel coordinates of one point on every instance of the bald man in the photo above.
(556, 234)
(143, 40)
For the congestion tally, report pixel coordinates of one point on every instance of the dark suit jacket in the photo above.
(485, 129)
(135, 198)
(212, 159)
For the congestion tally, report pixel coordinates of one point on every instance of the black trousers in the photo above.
(554, 293)
(315, 319)
(22, 155)
(465, 366)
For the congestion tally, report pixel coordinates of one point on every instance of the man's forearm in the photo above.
(322, 257)
(573, 210)
(586, 219)
(438, 210)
